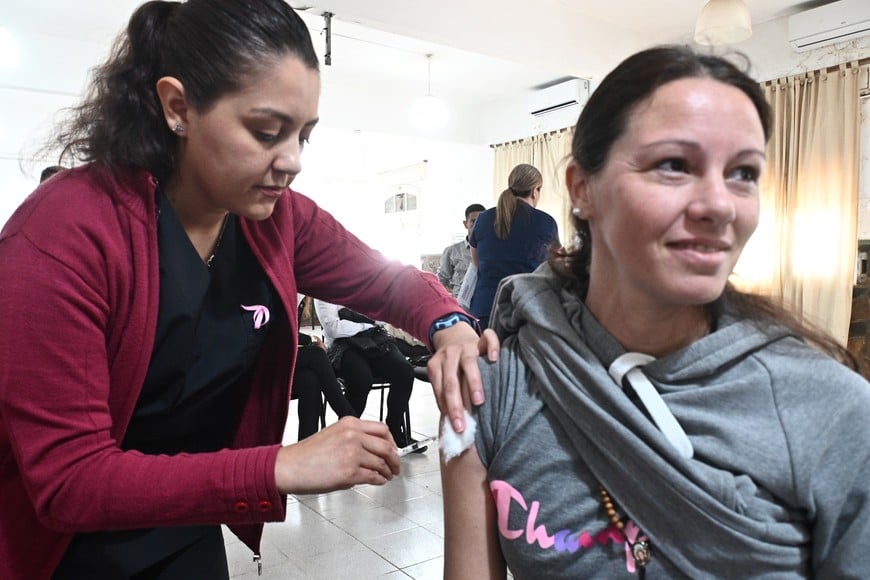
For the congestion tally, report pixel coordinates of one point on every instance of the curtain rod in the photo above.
(828, 69)
(547, 134)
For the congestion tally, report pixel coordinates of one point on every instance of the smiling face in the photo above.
(241, 153)
(676, 201)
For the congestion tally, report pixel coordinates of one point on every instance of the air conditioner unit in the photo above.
(835, 22)
(559, 96)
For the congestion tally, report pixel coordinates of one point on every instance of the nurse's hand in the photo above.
(347, 453)
(453, 369)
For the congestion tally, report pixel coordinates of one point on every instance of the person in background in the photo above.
(313, 381)
(645, 417)
(456, 257)
(49, 171)
(512, 238)
(409, 346)
(149, 294)
(361, 350)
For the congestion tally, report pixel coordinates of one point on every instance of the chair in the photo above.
(377, 384)
(382, 385)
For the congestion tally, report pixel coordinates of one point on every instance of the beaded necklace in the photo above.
(641, 551)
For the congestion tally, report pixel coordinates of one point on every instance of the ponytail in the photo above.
(120, 122)
(523, 179)
(504, 214)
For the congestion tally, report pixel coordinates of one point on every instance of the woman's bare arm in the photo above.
(471, 548)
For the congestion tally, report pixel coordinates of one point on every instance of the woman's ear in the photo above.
(174, 103)
(578, 182)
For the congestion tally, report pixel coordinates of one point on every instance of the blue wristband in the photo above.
(450, 320)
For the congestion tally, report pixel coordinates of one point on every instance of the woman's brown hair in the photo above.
(522, 182)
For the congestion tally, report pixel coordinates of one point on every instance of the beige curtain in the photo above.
(550, 154)
(806, 244)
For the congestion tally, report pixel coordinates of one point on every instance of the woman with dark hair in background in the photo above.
(313, 382)
(512, 238)
(644, 415)
(149, 297)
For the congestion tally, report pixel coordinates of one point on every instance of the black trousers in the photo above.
(314, 375)
(158, 554)
(359, 372)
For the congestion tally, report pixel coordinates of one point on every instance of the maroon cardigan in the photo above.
(79, 298)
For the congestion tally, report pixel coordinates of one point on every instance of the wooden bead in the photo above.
(640, 550)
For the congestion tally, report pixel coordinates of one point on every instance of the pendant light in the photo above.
(429, 113)
(723, 22)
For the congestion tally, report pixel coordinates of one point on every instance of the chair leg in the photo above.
(323, 411)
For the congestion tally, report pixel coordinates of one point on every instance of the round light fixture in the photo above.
(723, 22)
(429, 113)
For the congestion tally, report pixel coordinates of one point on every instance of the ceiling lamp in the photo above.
(429, 112)
(723, 22)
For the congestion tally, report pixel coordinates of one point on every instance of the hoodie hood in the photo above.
(543, 299)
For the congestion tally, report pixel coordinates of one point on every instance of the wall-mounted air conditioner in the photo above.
(835, 22)
(558, 96)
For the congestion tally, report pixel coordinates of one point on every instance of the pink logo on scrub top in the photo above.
(261, 314)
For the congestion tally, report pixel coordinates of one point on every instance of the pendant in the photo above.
(641, 552)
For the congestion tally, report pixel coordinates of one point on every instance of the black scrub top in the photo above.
(206, 341)
(204, 352)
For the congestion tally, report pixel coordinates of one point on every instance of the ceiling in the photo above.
(482, 49)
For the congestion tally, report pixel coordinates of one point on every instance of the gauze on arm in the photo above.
(453, 443)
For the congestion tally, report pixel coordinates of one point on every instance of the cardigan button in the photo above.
(265, 505)
(242, 507)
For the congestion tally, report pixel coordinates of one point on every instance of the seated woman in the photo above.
(644, 415)
(360, 350)
(312, 379)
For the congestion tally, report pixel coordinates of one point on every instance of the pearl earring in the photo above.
(577, 212)
(179, 128)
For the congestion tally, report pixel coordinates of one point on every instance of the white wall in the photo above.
(352, 174)
(772, 57)
(768, 50)
(30, 104)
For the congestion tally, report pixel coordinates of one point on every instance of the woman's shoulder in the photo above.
(543, 217)
(83, 197)
(812, 387)
(486, 215)
(508, 392)
(507, 379)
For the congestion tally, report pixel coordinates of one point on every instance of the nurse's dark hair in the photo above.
(212, 46)
(604, 119)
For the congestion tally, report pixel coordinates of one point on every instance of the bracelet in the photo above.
(450, 320)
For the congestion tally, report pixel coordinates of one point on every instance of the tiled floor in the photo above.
(393, 531)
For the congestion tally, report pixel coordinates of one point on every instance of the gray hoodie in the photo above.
(778, 484)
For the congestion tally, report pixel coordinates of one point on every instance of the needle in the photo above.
(415, 446)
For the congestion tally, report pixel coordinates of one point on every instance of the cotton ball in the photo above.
(453, 443)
